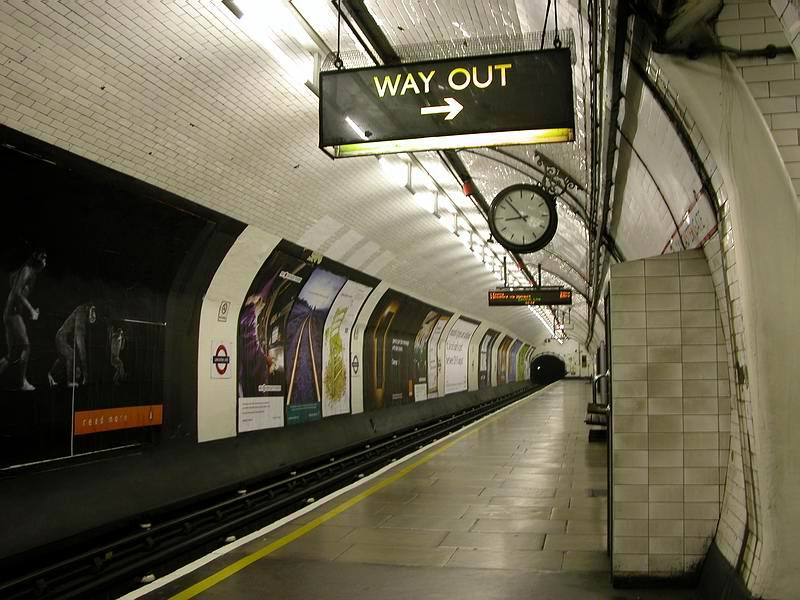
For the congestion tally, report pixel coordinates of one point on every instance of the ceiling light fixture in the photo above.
(264, 22)
(354, 126)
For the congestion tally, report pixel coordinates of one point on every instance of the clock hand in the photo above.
(515, 218)
(516, 211)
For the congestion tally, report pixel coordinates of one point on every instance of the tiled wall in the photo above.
(671, 413)
(739, 509)
(774, 83)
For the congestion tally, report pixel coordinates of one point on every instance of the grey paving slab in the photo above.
(429, 523)
(398, 537)
(494, 511)
(571, 541)
(585, 561)
(583, 527)
(494, 541)
(397, 555)
(520, 525)
(524, 492)
(596, 513)
(539, 560)
(356, 519)
(324, 550)
(451, 499)
(525, 501)
(426, 508)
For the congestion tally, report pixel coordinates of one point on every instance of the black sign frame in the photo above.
(485, 119)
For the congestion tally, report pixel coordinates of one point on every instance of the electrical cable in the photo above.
(544, 27)
(338, 62)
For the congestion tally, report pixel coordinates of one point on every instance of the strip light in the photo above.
(466, 140)
(263, 22)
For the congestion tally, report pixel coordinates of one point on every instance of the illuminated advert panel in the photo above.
(497, 100)
(530, 297)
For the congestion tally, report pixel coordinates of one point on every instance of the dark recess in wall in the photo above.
(546, 369)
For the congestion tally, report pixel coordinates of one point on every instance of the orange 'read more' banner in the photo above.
(111, 419)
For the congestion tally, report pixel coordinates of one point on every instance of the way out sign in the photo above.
(496, 100)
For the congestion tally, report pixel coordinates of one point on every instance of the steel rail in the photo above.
(130, 556)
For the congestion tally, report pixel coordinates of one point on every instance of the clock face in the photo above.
(523, 218)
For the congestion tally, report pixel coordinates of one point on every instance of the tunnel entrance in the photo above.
(546, 369)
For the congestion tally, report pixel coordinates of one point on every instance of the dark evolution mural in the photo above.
(87, 265)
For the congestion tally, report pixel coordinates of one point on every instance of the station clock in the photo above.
(523, 218)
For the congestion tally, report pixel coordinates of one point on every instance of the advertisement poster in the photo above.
(512, 361)
(521, 355)
(305, 330)
(262, 334)
(456, 354)
(88, 261)
(502, 360)
(485, 357)
(421, 355)
(392, 355)
(336, 360)
(528, 359)
(433, 356)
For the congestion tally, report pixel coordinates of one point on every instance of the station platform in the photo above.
(514, 506)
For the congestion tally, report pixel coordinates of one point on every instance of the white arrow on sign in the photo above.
(452, 108)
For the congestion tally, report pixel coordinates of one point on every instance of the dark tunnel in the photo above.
(546, 369)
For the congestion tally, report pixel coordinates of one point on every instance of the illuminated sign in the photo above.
(502, 99)
(529, 296)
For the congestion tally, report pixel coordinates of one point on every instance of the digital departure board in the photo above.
(530, 296)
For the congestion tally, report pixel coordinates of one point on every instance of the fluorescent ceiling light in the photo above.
(469, 140)
(448, 221)
(278, 16)
(426, 200)
(264, 23)
(395, 171)
(354, 126)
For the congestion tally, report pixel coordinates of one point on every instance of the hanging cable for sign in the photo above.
(339, 63)
(557, 40)
(544, 26)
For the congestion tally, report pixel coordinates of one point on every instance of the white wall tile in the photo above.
(661, 268)
(627, 285)
(662, 285)
(663, 318)
(665, 406)
(661, 302)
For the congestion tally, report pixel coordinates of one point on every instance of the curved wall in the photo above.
(186, 326)
(766, 228)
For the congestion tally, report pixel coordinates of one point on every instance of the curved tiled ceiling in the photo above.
(251, 150)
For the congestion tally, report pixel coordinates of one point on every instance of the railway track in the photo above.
(121, 560)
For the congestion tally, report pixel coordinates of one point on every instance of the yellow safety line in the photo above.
(232, 569)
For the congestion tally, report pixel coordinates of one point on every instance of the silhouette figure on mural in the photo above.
(117, 342)
(17, 308)
(71, 345)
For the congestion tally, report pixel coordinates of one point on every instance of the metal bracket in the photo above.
(555, 180)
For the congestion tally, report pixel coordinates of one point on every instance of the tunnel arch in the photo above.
(547, 368)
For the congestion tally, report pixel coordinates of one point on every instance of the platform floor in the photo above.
(513, 507)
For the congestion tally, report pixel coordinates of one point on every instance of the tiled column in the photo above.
(666, 424)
